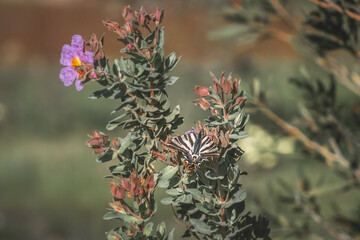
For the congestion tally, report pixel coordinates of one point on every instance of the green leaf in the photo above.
(171, 235)
(237, 197)
(124, 143)
(149, 39)
(115, 122)
(206, 208)
(148, 229)
(175, 191)
(171, 61)
(175, 113)
(195, 193)
(212, 176)
(161, 38)
(144, 44)
(201, 226)
(167, 201)
(117, 215)
(168, 177)
(239, 135)
(123, 104)
(185, 198)
(160, 231)
(108, 155)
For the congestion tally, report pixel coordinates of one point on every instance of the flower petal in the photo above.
(77, 42)
(67, 54)
(87, 57)
(68, 75)
(78, 85)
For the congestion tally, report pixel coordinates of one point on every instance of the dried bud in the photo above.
(115, 142)
(114, 27)
(149, 183)
(98, 141)
(226, 84)
(160, 156)
(222, 139)
(203, 103)
(129, 47)
(92, 44)
(144, 18)
(202, 91)
(235, 86)
(127, 28)
(111, 25)
(158, 15)
(117, 190)
(240, 100)
(117, 207)
(128, 14)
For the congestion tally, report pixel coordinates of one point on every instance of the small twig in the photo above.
(295, 132)
(283, 13)
(340, 72)
(331, 5)
(182, 223)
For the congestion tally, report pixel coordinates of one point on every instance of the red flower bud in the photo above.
(158, 15)
(225, 84)
(115, 142)
(240, 100)
(144, 18)
(235, 86)
(160, 156)
(129, 47)
(202, 103)
(117, 190)
(128, 14)
(202, 91)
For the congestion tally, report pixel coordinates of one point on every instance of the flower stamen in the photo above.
(75, 62)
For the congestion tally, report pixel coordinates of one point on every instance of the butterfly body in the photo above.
(195, 148)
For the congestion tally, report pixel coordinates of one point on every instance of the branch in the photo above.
(330, 157)
(283, 14)
(331, 5)
(340, 72)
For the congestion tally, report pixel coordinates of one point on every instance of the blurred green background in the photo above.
(50, 185)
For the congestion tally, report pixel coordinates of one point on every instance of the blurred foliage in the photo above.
(327, 129)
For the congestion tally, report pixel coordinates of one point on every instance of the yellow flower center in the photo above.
(75, 62)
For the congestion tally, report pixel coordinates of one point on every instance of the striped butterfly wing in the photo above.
(184, 143)
(208, 148)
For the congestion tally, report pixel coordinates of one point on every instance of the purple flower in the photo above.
(72, 58)
(191, 131)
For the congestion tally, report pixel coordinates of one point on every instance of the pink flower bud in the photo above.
(116, 190)
(128, 14)
(157, 16)
(203, 103)
(202, 91)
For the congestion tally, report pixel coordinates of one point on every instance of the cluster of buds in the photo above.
(225, 85)
(133, 20)
(92, 44)
(219, 137)
(223, 96)
(99, 142)
(135, 187)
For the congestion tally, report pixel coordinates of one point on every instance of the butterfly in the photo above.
(195, 148)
